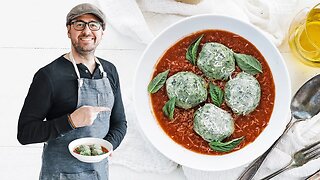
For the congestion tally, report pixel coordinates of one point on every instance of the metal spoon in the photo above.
(304, 105)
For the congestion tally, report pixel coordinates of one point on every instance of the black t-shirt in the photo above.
(53, 95)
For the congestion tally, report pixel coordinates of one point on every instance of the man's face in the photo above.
(85, 41)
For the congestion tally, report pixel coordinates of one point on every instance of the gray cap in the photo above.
(86, 8)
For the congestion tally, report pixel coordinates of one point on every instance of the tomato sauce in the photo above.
(180, 129)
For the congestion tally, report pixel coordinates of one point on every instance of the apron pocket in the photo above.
(103, 102)
(102, 99)
(86, 175)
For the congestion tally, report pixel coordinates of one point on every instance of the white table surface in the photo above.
(34, 37)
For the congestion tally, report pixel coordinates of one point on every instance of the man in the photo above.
(77, 95)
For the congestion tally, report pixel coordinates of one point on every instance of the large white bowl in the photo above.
(89, 141)
(178, 153)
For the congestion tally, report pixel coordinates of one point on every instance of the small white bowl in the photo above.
(88, 141)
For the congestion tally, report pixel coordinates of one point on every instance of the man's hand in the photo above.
(85, 115)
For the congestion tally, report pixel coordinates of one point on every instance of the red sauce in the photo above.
(181, 128)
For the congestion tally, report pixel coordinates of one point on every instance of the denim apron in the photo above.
(57, 162)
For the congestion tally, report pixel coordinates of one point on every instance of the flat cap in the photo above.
(86, 8)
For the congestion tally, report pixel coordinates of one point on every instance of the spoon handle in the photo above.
(253, 167)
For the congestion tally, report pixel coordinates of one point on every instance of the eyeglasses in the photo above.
(81, 25)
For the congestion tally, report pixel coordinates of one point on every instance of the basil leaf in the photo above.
(158, 81)
(168, 108)
(225, 146)
(192, 50)
(248, 63)
(216, 94)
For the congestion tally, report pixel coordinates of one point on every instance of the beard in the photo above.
(84, 49)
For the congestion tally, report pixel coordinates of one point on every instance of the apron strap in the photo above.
(103, 73)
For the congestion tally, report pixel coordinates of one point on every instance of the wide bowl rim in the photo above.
(189, 158)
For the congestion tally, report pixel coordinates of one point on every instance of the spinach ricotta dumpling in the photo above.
(213, 123)
(216, 61)
(89, 150)
(242, 94)
(188, 88)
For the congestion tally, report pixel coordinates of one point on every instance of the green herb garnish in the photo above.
(168, 108)
(191, 54)
(158, 81)
(248, 63)
(225, 146)
(216, 94)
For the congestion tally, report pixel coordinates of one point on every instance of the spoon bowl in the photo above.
(306, 102)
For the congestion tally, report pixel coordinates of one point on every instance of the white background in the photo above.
(33, 34)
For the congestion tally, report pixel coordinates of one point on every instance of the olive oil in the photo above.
(304, 39)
